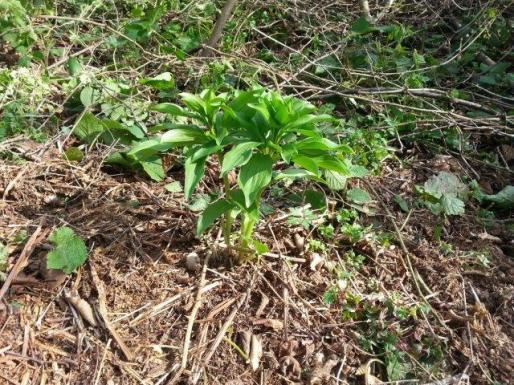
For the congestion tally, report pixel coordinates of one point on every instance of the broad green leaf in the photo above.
(182, 136)
(88, 127)
(89, 96)
(153, 167)
(238, 156)
(316, 199)
(194, 102)
(261, 108)
(254, 176)
(147, 148)
(160, 82)
(332, 164)
(172, 126)
(173, 110)
(69, 250)
(194, 171)
(211, 213)
(361, 26)
(206, 150)
(119, 158)
(317, 144)
(307, 120)
(293, 173)
(74, 66)
(307, 163)
(73, 154)
(358, 196)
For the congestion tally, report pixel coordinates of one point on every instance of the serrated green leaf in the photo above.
(238, 156)
(452, 205)
(255, 176)
(174, 187)
(200, 203)
(69, 251)
(88, 127)
(259, 247)
(445, 183)
(334, 180)
(504, 199)
(358, 196)
(211, 213)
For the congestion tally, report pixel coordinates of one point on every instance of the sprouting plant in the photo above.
(444, 194)
(260, 135)
(69, 250)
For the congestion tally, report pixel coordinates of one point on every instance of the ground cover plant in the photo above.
(275, 192)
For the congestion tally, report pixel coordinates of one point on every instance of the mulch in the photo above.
(139, 236)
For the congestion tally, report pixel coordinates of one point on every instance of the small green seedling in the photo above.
(69, 250)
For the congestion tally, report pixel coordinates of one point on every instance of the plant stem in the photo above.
(227, 219)
(246, 231)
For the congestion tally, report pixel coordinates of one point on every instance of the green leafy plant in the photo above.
(504, 199)
(261, 136)
(444, 194)
(69, 251)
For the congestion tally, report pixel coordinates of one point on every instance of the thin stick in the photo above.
(192, 317)
(220, 336)
(102, 310)
(25, 254)
(106, 349)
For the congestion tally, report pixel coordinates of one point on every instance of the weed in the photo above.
(252, 132)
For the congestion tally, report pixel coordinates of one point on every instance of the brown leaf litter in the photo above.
(123, 318)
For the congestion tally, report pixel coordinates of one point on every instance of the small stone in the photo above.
(193, 262)
(299, 242)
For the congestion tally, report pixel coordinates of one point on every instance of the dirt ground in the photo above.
(139, 236)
